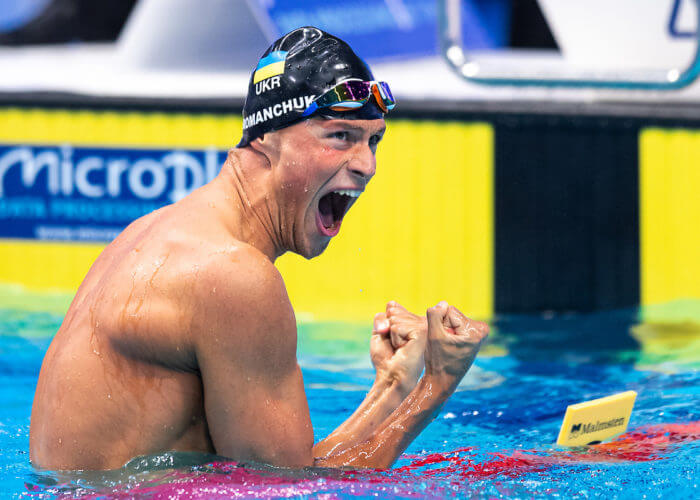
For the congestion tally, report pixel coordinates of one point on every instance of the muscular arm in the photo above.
(245, 341)
(245, 337)
(396, 349)
(453, 342)
(397, 431)
(382, 399)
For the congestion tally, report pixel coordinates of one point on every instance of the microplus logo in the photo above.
(81, 193)
(95, 173)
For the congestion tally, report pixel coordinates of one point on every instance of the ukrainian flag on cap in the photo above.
(270, 65)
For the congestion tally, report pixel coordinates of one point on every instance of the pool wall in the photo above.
(494, 210)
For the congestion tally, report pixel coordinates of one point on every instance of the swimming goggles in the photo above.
(353, 94)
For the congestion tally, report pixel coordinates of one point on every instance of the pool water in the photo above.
(493, 439)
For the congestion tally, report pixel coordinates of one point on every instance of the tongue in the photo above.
(325, 209)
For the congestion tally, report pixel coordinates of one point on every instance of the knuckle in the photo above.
(483, 328)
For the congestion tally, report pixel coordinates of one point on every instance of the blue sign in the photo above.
(92, 194)
(393, 28)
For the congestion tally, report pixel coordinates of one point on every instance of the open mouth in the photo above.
(332, 207)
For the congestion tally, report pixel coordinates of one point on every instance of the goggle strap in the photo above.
(311, 109)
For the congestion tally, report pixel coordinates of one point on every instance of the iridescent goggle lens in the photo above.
(354, 94)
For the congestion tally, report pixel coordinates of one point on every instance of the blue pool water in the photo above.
(493, 439)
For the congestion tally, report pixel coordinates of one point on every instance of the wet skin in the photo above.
(182, 336)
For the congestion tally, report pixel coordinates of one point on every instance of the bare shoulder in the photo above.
(241, 305)
(239, 276)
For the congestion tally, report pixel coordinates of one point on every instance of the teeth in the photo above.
(349, 192)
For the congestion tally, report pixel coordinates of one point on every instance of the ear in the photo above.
(266, 145)
(266, 142)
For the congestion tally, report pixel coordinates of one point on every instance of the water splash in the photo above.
(434, 475)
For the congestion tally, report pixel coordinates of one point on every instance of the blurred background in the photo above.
(407, 27)
(554, 144)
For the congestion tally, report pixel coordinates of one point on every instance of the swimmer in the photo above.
(182, 337)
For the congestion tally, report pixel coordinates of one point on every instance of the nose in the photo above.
(363, 164)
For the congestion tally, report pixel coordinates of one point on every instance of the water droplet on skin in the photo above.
(60, 441)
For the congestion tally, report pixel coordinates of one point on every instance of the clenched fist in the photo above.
(453, 342)
(397, 345)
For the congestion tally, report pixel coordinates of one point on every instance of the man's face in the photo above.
(324, 165)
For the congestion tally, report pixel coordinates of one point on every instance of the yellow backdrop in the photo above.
(669, 176)
(422, 232)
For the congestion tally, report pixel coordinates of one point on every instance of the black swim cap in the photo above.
(294, 70)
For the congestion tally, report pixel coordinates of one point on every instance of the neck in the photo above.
(251, 209)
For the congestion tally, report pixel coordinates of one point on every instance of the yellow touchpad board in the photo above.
(594, 421)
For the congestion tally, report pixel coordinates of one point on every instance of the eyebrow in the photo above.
(345, 124)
